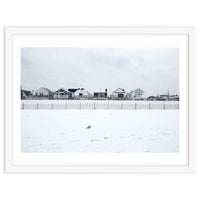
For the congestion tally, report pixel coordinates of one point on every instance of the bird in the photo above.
(88, 127)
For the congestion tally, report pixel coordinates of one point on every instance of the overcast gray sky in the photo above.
(155, 70)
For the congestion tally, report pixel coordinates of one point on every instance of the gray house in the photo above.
(43, 93)
(174, 97)
(63, 94)
(25, 94)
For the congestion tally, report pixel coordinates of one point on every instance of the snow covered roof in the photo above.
(83, 91)
(46, 89)
(119, 90)
(138, 90)
(43, 88)
(132, 91)
(100, 91)
(61, 90)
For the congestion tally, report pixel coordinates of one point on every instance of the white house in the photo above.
(100, 94)
(137, 94)
(44, 93)
(82, 94)
(119, 94)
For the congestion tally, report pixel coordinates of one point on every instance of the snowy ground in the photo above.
(112, 131)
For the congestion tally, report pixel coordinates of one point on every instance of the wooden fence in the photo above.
(119, 106)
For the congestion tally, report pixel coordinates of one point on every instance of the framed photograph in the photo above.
(99, 100)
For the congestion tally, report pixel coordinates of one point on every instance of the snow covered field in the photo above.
(112, 131)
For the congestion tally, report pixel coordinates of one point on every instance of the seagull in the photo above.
(88, 127)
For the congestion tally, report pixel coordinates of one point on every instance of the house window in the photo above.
(95, 94)
(80, 94)
(102, 95)
(120, 95)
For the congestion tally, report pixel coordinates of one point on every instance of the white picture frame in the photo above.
(10, 91)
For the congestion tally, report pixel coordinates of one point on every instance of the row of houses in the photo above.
(81, 93)
(164, 98)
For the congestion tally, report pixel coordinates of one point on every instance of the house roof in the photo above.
(73, 89)
(119, 90)
(26, 92)
(151, 97)
(174, 95)
(139, 90)
(45, 89)
(62, 90)
(83, 91)
(163, 95)
(100, 91)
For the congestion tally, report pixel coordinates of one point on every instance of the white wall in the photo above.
(42, 91)
(93, 12)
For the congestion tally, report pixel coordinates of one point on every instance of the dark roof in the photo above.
(73, 90)
(63, 90)
(163, 95)
(26, 92)
(152, 97)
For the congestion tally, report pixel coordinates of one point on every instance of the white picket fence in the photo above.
(119, 106)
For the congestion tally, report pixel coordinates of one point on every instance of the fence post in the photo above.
(149, 106)
(23, 106)
(37, 106)
(80, 106)
(164, 106)
(122, 106)
(135, 106)
(52, 106)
